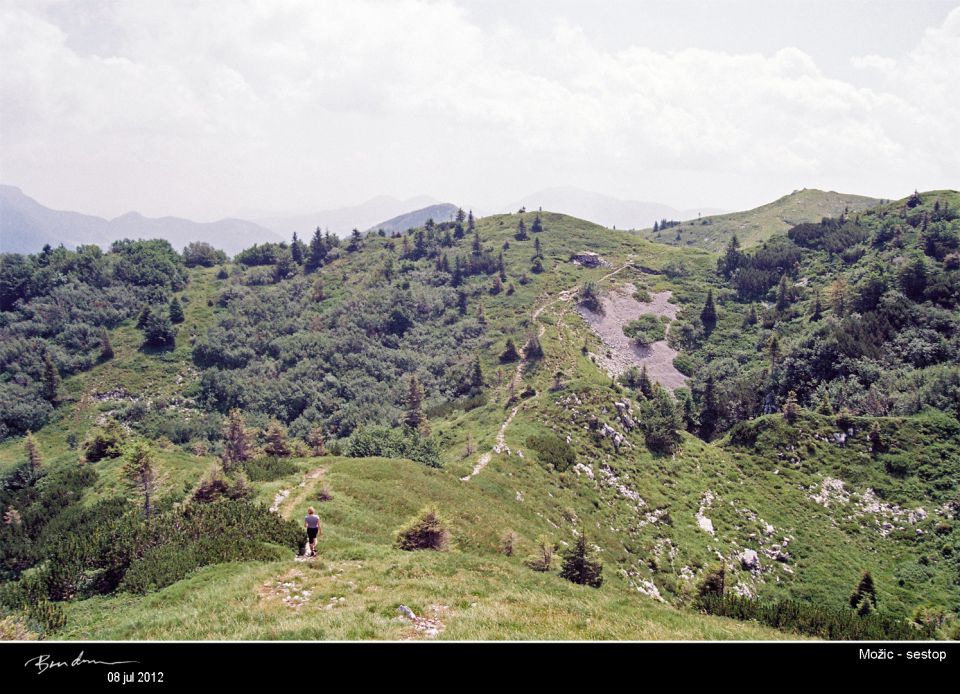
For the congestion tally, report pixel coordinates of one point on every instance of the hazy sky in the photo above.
(204, 109)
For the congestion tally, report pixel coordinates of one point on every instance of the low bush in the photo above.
(553, 450)
(815, 620)
(645, 330)
(269, 468)
(394, 443)
(426, 531)
(167, 564)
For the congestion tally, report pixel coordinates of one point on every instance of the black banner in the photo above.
(159, 665)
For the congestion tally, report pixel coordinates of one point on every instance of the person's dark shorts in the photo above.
(312, 533)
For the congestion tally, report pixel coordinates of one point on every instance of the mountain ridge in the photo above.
(27, 225)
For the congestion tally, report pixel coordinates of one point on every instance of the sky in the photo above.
(218, 108)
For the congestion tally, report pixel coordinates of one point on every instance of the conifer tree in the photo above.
(537, 266)
(237, 442)
(476, 375)
(460, 215)
(773, 350)
(462, 303)
(456, 278)
(660, 422)
(783, 295)
(865, 591)
(296, 249)
(470, 222)
(414, 417)
(277, 440)
(176, 311)
(159, 331)
(32, 449)
(509, 353)
(51, 380)
(709, 414)
(317, 441)
(481, 316)
(817, 313)
(708, 316)
(477, 246)
(790, 407)
(318, 251)
(106, 348)
(521, 234)
(537, 226)
(537, 248)
(837, 296)
(502, 268)
(688, 413)
(141, 473)
(579, 568)
(533, 349)
(732, 259)
(825, 407)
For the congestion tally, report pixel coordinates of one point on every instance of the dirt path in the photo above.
(619, 309)
(286, 501)
(500, 445)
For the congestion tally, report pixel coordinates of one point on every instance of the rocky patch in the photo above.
(423, 627)
(619, 308)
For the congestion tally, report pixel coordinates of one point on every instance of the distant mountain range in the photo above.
(342, 220)
(603, 209)
(444, 212)
(26, 226)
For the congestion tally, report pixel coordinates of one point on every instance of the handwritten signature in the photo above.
(43, 662)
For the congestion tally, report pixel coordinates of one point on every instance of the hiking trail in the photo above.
(500, 445)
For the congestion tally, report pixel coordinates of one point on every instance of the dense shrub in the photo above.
(394, 443)
(660, 422)
(57, 302)
(815, 620)
(553, 450)
(169, 563)
(645, 330)
(105, 442)
(203, 254)
(269, 468)
(426, 531)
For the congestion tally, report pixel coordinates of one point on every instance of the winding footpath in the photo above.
(500, 445)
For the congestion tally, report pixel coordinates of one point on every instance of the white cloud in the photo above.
(196, 107)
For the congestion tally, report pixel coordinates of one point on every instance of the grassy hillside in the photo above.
(755, 226)
(793, 505)
(354, 589)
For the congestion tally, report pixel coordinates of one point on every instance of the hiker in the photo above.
(312, 524)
